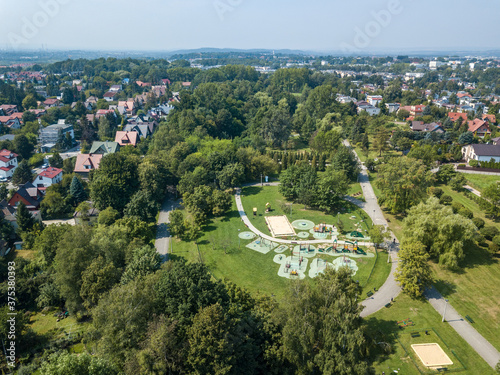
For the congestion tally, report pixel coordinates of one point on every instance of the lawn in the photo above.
(46, 323)
(227, 257)
(384, 329)
(256, 196)
(481, 181)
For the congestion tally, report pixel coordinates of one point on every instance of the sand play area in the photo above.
(432, 355)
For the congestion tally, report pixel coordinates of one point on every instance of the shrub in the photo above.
(489, 232)
(465, 212)
(461, 165)
(437, 192)
(455, 206)
(445, 199)
(496, 240)
(493, 248)
(474, 163)
(478, 222)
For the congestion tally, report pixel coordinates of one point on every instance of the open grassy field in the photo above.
(481, 181)
(384, 328)
(227, 257)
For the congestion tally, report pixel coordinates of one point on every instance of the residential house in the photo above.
(30, 195)
(110, 96)
(143, 84)
(7, 137)
(126, 138)
(371, 110)
(164, 109)
(104, 148)
(374, 100)
(8, 109)
(53, 134)
(50, 103)
(491, 118)
(415, 110)
(186, 84)
(10, 122)
(115, 88)
(86, 163)
(89, 217)
(454, 116)
(144, 129)
(129, 106)
(48, 176)
(91, 101)
(103, 112)
(481, 152)
(419, 126)
(479, 128)
(8, 163)
(392, 107)
(8, 213)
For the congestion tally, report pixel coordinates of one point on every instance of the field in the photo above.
(226, 256)
(384, 328)
(481, 181)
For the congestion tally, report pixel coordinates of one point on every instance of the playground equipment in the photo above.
(268, 207)
(254, 211)
(405, 323)
(356, 234)
(322, 228)
(354, 247)
(294, 273)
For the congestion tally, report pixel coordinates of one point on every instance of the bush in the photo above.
(437, 192)
(36, 160)
(478, 222)
(455, 206)
(493, 248)
(461, 165)
(445, 199)
(496, 240)
(465, 212)
(474, 163)
(489, 232)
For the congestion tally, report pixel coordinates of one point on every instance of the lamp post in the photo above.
(239, 238)
(444, 312)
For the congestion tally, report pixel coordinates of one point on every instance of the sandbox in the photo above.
(279, 226)
(432, 355)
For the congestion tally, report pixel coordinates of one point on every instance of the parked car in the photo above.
(46, 165)
(4, 179)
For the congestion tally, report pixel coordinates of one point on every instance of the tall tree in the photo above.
(413, 272)
(77, 191)
(56, 160)
(345, 160)
(25, 219)
(22, 174)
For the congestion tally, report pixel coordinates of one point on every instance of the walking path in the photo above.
(162, 242)
(489, 353)
(472, 190)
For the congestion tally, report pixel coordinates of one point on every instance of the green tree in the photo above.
(466, 138)
(378, 234)
(332, 338)
(457, 183)
(62, 363)
(77, 191)
(22, 174)
(143, 206)
(145, 260)
(25, 219)
(176, 224)
(56, 160)
(53, 205)
(230, 176)
(221, 202)
(380, 141)
(47, 242)
(445, 235)
(330, 190)
(108, 216)
(445, 173)
(345, 160)
(98, 278)
(23, 146)
(114, 183)
(403, 183)
(413, 272)
(29, 102)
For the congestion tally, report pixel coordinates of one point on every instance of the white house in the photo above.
(48, 177)
(374, 99)
(481, 152)
(371, 110)
(8, 163)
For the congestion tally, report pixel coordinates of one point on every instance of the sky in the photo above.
(313, 25)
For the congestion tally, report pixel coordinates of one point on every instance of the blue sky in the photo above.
(314, 25)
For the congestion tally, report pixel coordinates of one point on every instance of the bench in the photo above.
(388, 305)
(469, 318)
(442, 369)
(415, 334)
(369, 294)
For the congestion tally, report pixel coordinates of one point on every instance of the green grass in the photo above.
(384, 328)
(256, 196)
(356, 191)
(46, 323)
(481, 181)
(227, 257)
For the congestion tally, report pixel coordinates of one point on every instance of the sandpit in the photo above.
(432, 355)
(279, 226)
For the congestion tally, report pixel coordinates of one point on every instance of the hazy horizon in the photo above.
(318, 26)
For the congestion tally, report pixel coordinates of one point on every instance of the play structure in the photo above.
(262, 245)
(344, 261)
(405, 323)
(323, 228)
(303, 224)
(432, 355)
(356, 234)
(279, 226)
(268, 207)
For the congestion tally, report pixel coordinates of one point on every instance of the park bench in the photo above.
(388, 305)
(442, 369)
(369, 294)
(469, 318)
(415, 334)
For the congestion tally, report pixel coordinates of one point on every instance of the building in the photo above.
(53, 134)
(104, 148)
(30, 195)
(374, 100)
(110, 96)
(368, 108)
(392, 107)
(480, 128)
(419, 126)
(8, 163)
(144, 129)
(125, 138)
(48, 177)
(86, 163)
(481, 153)
(454, 116)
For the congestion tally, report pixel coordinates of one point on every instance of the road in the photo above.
(162, 242)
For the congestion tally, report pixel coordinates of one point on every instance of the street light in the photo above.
(444, 312)
(239, 238)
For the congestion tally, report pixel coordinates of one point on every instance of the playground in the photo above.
(431, 355)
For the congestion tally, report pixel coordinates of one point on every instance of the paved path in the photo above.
(59, 221)
(489, 353)
(472, 190)
(162, 242)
